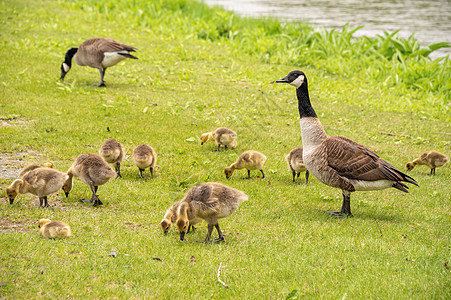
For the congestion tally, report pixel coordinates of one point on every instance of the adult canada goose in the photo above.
(208, 201)
(144, 156)
(33, 166)
(92, 170)
(170, 217)
(222, 136)
(99, 53)
(338, 161)
(40, 182)
(251, 160)
(52, 229)
(113, 153)
(432, 159)
(296, 163)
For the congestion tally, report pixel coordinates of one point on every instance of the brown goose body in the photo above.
(52, 229)
(208, 201)
(40, 182)
(338, 161)
(93, 170)
(222, 136)
(33, 166)
(296, 163)
(99, 53)
(250, 160)
(432, 159)
(113, 153)
(144, 156)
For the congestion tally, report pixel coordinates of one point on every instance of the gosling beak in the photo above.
(67, 194)
(201, 143)
(165, 233)
(283, 80)
(182, 235)
(11, 200)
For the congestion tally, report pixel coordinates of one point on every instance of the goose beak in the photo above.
(283, 80)
(67, 194)
(63, 74)
(182, 235)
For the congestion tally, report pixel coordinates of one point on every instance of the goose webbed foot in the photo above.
(339, 214)
(345, 208)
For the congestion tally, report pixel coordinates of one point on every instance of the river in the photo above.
(429, 20)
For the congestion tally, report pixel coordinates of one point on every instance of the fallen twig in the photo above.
(219, 275)
(378, 226)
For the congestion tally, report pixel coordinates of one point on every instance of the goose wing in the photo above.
(355, 161)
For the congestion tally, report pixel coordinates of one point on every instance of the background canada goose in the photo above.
(92, 170)
(33, 166)
(208, 201)
(40, 182)
(113, 153)
(144, 156)
(222, 136)
(251, 160)
(53, 229)
(170, 217)
(337, 161)
(99, 53)
(296, 163)
(432, 159)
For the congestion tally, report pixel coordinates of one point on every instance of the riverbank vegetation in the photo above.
(200, 68)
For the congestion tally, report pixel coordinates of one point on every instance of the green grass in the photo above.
(280, 243)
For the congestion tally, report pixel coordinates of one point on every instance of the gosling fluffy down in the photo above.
(113, 153)
(53, 229)
(144, 156)
(93, 171)
(222, 136)
(170, 217)
(251, 160)
(40, 182)
(296, 163)
(208, 201)
(33, 166)
(432, 159)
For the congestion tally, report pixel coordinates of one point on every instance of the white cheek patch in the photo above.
(66, 67)
(298, 81)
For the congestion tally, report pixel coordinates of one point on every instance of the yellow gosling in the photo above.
(113, 153)
(250, 160)
(53, 229)
(432, 159)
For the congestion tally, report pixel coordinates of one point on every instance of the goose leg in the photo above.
(102, 74)
(221, 236)
(118, 169)
(306, 177)
(207, 238)
(262, 173)
(345, 208)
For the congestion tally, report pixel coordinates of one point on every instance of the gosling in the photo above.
(432, 159)
(170, 218)
(113, 153)
(251, 160)
(296, 163)
(93, 171)
(208, 201)
(40, 182)
(144, 156)
(33, 166)
(53, 229)
(222, 136)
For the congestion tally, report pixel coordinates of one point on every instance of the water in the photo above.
(429, 20)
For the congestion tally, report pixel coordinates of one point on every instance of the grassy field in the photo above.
(280, 243)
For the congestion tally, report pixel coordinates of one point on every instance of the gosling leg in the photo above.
(118, 169)
(141, 173)
(263, 174)
(151, 172)
(207, 238)
(306, 178)
(221, 236)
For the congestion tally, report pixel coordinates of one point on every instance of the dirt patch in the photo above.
(7, 225)
(12, 163)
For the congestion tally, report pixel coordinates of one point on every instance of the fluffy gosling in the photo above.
(208, 201)
(296, 163)
(40, 182)
(144, 156)
(170, 217)
(432, 159)
(53, 229)
(113, 153)
(251, 160)
(93, 171)
(222, 136)
(33, 166)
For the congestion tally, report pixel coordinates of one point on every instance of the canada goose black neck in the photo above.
(305, 107)
(69, 54)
